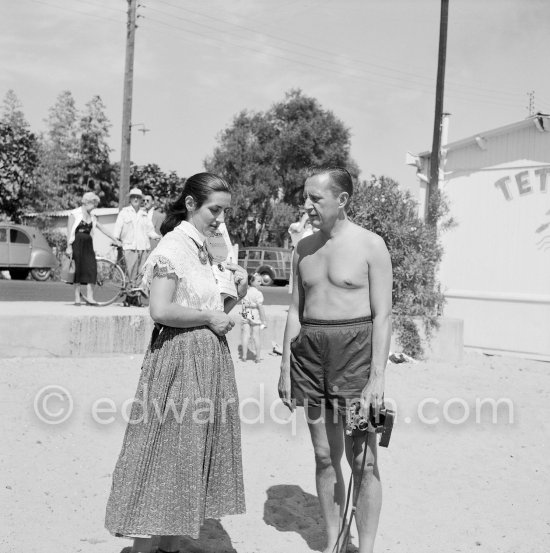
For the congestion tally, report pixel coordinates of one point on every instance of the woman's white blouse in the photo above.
(177, 254)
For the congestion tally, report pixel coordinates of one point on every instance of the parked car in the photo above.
(273, 264)
(24, 249)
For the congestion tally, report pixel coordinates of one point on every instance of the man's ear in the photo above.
(190, 203)
(343, 200)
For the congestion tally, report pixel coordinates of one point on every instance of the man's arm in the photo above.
(292, 329)
(380, 286)
(150, 229)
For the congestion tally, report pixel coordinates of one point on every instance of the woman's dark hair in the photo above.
(199, 187)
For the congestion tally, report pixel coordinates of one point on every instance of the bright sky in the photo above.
(198, 63)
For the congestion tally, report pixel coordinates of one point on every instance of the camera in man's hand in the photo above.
(381, 424)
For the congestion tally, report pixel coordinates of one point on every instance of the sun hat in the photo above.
(136, 192)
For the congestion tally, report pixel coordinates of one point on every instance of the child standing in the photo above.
(253, 313)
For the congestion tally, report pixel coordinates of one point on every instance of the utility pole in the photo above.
(433, 187)
(124, 184)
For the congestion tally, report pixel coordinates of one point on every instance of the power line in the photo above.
(430, 81)
(359, 78)
(95, 5)
(74, 11)
(460, 95)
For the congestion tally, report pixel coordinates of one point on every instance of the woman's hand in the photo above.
(219, 322)
(69, 250)
(241, 278)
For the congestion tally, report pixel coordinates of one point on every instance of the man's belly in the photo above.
(334, 303)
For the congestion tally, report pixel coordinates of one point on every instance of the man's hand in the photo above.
(372, 394)
(219, 322)
(284, 385)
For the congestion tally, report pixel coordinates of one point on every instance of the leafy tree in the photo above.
(264, 156)
(59, 163)
(281, 216)
(382, 207)
(18, 160)
(96, 171)
(12, 114)
(151, 179)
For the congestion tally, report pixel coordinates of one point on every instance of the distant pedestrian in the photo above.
(80, 245)
(254, 318)
(154, 215)
(134, 228)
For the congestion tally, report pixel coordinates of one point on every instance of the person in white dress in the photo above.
(254, 319)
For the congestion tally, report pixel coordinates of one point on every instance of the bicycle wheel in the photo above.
(110, 284)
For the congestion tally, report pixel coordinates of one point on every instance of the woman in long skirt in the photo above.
(181, 457)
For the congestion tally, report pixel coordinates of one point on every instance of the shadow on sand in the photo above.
(212, 539)
(289, 509)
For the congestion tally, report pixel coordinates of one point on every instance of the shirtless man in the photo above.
(336, 346)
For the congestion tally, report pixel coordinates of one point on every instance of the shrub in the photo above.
(57, 239)
(382, 207)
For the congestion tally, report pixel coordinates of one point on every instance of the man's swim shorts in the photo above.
(330, 362)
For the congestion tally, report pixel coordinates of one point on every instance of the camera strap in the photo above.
(345, 532)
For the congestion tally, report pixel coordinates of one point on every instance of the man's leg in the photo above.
(369, 494)
(132, 260)
(142, 258)
(328, 445)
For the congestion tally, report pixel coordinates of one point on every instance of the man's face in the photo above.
(148, 202)
(135, 202)
(321, 204)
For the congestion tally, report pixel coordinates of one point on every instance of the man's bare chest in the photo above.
(342, 267)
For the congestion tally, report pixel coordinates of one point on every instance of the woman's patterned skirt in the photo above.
(181, 457)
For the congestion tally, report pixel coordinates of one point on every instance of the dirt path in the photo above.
(448, 486)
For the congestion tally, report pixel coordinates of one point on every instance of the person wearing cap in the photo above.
(134, 229)
(80, 245)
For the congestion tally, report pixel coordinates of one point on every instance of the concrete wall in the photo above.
(60, 330)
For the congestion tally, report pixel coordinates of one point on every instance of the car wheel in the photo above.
(19, 274)
(267, 279)
(41, 274)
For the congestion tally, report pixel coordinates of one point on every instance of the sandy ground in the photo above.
(449, 486)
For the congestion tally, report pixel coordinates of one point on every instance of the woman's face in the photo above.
(89, 205)
(211, 214)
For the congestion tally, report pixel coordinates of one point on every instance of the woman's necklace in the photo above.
(204, 256)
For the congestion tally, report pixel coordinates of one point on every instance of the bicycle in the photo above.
(113, 283)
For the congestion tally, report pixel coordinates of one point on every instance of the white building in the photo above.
(496, 267)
